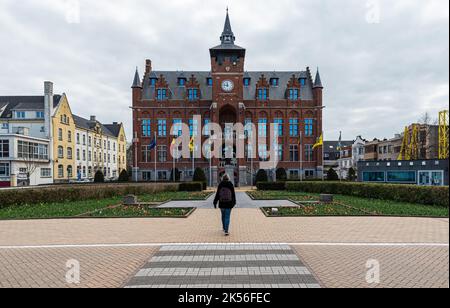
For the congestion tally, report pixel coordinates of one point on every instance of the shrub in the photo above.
(99, 177)
(438, 196)
(177, 175)
(191, 186)
(332, 175)
(281, 174)
(351, 175)
(124, 176)
(261, 176)
(271, 185)
(200, 176)
(81, 192)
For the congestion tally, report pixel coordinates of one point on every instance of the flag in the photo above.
(152, 144)
(319, 142)
(192, 144)
(339, 147)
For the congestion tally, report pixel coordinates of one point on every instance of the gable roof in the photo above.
(114, 128)
(177, 92)
(24, 103)
(89, 125)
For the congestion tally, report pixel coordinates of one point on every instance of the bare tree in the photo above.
(31, 166)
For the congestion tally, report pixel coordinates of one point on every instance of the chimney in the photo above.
(48, 108)
(93, 118)
(148, 67)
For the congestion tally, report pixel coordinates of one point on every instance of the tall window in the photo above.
(248, 128)
(161, 94)
(309, 127)
(262, 94)
(262, 128)
(78, 138)
(193, 94)
(4, 169)
(69, 136)
(153, 81)
(293, 94)
(60, 152)
(280, 152)
(294, 153)
(60, 171)
(206, 127)
(178, 127)
(146, 154)
(78, 154)
(162, 153)
(146, 128)
(279, 125)
(246, 82)
(84, 155)
(193, 127)
(69, 153)
(162, 128)
(262, 152)
(69, 171)
(4, 148)
(302, 81)
(84, 139)
(209, 81)
(60, 134)
(309, 152)
(293, 127)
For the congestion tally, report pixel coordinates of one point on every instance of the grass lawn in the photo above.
(281, 195)
(356, 206)
(71, 209)
(139, 211)
(333, 209)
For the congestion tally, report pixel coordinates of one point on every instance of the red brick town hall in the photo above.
(227, 94)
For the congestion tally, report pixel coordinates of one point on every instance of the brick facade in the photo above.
(289, 96)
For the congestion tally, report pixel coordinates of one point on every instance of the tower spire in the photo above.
(137, 80)
(318, 81)
(227, 34)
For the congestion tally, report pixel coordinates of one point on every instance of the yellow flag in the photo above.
(174, 141)
(319, 142)
(191, 144)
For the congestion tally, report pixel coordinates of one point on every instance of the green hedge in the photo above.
(22, 196)
(191, 186)
(271, 185)
(401, 193)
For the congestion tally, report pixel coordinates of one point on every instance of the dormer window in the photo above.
(246, 82)
(181, 82)
(20, 114)
(274, 82)
(262, 94)
(40, 115)
(153, 81)
(209, 81)
(293, 94)
(193, 94)
(302, 81)
(161, 94)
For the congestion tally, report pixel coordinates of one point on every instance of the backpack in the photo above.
(225, 195)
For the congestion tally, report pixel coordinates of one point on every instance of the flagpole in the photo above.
(173, 158)
(323, 156)
(300, 149)
(156, 152)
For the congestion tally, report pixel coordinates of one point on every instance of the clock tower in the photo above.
(227, 72)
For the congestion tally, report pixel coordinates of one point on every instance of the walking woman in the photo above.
(226, 198)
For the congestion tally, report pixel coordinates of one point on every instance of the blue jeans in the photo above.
(226, 217)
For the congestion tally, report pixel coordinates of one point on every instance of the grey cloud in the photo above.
(377, 77)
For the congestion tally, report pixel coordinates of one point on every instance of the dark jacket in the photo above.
(225, 205)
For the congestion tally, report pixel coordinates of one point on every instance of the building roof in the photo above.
(227, 40)
(177, 92)
(89, 125)
(11, 103)
(332, 146)
(318, 80)
(114, 128)
(137, 80)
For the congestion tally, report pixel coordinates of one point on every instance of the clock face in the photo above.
(227, 85)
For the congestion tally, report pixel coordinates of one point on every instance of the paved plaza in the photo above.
(274, 252)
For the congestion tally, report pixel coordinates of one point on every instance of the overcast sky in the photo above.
(383, 63)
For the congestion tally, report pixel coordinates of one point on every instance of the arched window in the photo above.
(69, 171)
(60, 171)
(69, 153)
(60, 152)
